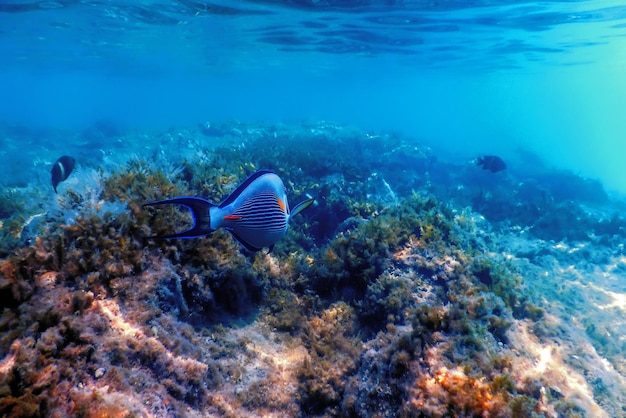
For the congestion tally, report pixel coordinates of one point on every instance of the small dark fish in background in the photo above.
(61, 170)
(492, 163)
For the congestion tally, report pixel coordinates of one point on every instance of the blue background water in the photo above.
(469, 76)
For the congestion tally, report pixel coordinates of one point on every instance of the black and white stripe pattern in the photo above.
(262, 213)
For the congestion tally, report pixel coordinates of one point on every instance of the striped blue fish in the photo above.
(256, 213)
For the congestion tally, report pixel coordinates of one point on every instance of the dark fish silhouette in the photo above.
(492, 163)
(61, 170)
(256, 213)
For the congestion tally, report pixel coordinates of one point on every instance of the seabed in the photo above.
(417, 285)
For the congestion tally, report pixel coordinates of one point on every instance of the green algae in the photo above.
(12, 221)
(371, 299)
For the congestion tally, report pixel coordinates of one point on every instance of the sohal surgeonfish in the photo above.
(61, 170)
(256, 213)
(492, 163)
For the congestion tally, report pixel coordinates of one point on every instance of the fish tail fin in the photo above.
(200, 210)
(303, 205)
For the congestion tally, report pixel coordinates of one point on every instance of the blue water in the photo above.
(115, 83)
(470, 76)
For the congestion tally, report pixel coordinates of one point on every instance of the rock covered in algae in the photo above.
(385, 299)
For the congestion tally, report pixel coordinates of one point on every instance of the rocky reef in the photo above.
(399, 293)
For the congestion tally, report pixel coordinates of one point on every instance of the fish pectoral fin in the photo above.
(200, 210)
(302, 205)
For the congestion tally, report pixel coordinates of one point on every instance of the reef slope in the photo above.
(414, 287)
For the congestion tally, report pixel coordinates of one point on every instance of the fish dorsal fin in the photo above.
(234, 195)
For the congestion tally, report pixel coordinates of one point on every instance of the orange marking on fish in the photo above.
(232, 218)
(281, 204)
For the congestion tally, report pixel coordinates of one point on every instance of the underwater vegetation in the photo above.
(385, 298)
(11, 221)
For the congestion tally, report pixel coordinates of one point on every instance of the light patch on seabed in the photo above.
(147, 402)
(618, 300)
(582, 355)
(264, 359)
(7, 363)
(557, 363)
(268, 352)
